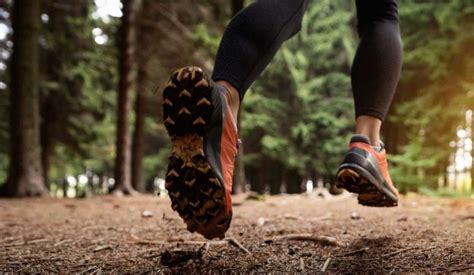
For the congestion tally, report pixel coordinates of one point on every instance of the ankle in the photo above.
(370, 127)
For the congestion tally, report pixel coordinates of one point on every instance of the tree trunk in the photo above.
(47, 155)
(26, 174)
(126, 40)
(137, 147)
(276, 178)
(293, 182)
(258, 178)
(239, 180)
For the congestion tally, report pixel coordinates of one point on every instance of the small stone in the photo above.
(355, 216)
(402, 219)
(262, 221)
(147, 214)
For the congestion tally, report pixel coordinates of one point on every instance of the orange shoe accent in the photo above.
(229, 150)
(382, 161)
(365, 171)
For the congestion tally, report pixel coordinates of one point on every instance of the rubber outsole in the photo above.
(194, 189)
(371, 193)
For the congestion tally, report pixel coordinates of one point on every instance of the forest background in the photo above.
(80, 96)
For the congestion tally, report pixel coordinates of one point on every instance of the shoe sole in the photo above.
(371, 193)
(195, 191)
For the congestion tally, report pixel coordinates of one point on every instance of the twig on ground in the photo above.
(325, 240)
(136, 240)
(88, 270)
(326, 264)
(24, 242)
(62, 242)
(291, 217)
(397, 252)
(238, 244)
(467, 218)
(321, 218)
(84, 264)
(48, 259)
(353, 252)
(461, 268)
(102, 247)
(13, 244)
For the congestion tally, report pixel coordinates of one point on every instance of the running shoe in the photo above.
(204, 135)
(364, 171)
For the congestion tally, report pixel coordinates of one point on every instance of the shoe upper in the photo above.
(221, 141)
(229, 143)
(377, 159)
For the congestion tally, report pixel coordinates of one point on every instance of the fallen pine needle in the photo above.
(88, 270)
(291, 217)
(301, 264)
(102, 247)
(136, 240)
(84, 264)
(325, 240)
(62, 242)
(397, 252)
(353, 252)
(326, 265)
(321, 218)
(42, 240)
(238, 244)
(13, 244)
(461, 268)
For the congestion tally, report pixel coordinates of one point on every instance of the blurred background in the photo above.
(80, 96)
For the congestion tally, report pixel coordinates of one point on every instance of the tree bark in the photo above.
(239, 180)
(126, 41)
(47, 155)
(25, 172)
(293, 182)
(137, 146)
(275, 178)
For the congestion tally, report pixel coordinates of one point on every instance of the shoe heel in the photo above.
(187, 104)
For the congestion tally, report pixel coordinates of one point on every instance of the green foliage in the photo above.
(78, 91)
(298, 116)
(301, 109)
(435, 89)
(444, 193)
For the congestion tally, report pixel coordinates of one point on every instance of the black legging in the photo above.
(256, 33)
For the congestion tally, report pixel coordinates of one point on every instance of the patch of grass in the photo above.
(445, 193)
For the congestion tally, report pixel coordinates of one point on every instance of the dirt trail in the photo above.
(106, 234)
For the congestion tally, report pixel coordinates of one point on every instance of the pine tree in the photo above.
(126, 46)
(26, 174)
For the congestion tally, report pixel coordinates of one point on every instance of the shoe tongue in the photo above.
(360, 138)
